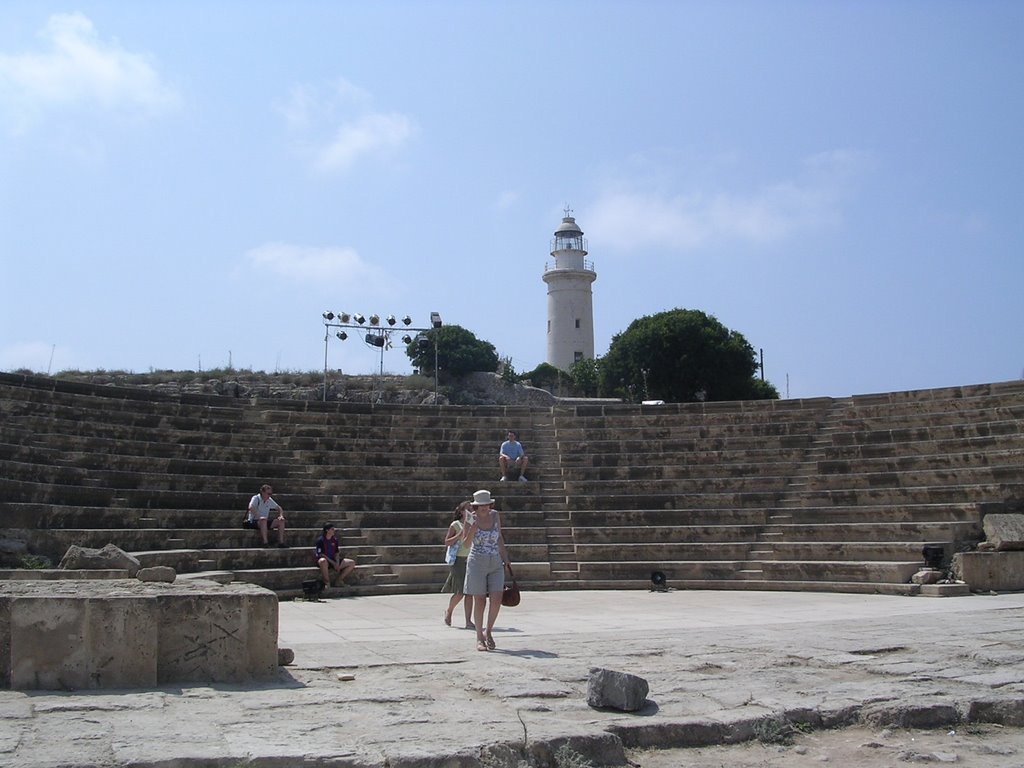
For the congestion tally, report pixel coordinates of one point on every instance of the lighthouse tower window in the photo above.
(577, 322)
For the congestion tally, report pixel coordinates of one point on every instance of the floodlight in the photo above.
(407, 339)
(341, 335)
(391, 320)
(345, 317)
(328, 316)
(374, 339)
(374, 319)
(407, 320)
(435, 320)
(359, 318)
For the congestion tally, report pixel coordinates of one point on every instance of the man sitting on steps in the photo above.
(328, 555)
(258, 516)
(512, 458)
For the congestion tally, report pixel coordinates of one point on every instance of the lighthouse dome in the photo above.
(568, 228)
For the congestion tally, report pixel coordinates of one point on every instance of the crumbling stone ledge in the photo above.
(124, 633)
(609, 749)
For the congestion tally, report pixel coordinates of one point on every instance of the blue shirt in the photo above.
(513, 449)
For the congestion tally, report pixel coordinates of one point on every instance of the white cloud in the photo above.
(628, 219)
(506, 200)
(337, 127)
(367, 134)
(79, 69)
(315, 265)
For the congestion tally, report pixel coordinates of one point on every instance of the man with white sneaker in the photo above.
(512, 458)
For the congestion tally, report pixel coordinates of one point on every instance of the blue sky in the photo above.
(186, 184)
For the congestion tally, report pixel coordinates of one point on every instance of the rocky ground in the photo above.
(974, 746)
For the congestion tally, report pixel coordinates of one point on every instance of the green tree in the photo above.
(458, 351)
(763, 390)
(585, 375)
(682, 355)
(544, 376)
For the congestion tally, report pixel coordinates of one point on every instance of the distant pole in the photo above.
(326, 336)
(761, 350)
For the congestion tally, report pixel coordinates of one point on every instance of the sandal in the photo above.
(490, 642)
(447, 619)
(481, 646)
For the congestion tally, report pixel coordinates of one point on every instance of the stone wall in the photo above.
(71, 634)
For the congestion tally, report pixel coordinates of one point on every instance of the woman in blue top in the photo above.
(485, 566)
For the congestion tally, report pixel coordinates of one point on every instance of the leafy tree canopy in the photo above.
(585, 375)
(682, 355)
(458, 351)
(544, 376)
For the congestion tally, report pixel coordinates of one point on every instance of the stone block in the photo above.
(927, 576)
(65, 635)
(106, 558)
(1004, 531)
(990, 571)
(230, 638)
(62, 642)
(160, 573)
(617, 690)
(1002, 711)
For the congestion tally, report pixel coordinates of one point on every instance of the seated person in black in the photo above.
(328, 554)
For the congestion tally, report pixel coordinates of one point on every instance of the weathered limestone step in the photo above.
(221, 577)
(750, 573)
(559, 568)
(945, 590)
(175, 544)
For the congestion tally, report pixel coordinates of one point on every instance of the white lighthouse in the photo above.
(570, 297)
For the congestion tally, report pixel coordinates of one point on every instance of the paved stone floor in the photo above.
(382, 681)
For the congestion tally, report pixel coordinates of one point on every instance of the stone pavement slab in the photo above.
(382, 681)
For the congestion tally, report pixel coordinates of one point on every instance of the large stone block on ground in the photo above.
(616, 690)
(65, 635)
(110, 556)
(1004, 532)
(990, 571)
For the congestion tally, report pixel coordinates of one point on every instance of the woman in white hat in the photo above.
(485, 566)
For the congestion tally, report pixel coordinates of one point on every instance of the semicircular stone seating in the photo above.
(815, 494)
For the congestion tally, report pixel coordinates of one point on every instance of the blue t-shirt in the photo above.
(512, 449)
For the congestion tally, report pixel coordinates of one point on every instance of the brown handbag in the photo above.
(510, 597)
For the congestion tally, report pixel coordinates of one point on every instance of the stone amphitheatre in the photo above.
(908, 495)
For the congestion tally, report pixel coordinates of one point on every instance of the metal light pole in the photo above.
(376, 334)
